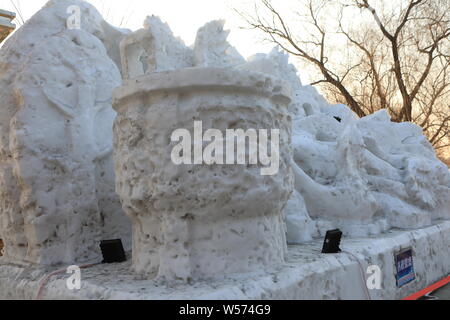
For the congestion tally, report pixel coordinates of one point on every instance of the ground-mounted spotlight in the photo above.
(332, 241)
(112, 251)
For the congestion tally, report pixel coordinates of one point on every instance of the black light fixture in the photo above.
(112, 251)
(332, 241)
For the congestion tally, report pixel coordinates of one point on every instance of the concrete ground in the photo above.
(442, 293)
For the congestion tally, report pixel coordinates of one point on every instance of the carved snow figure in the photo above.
(362, 175)
(57, 198)
(212, 49)
(153, 49)
(410, 184)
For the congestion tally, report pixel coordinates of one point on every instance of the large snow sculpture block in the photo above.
(57, 198)
(197, 221)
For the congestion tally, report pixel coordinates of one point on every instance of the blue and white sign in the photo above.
(405, 267)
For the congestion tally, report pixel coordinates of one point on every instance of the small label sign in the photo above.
(405, 267)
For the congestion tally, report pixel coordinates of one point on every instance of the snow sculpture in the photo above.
(369, 170)
(6, 25)
(212, 48)
(362, 175)
(198, 221)
(57, 198)
(300, 228)
(411, 186)
(153, 49)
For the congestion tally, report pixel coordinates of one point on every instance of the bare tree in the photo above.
(394, 56)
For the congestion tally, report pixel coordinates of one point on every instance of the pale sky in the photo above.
(183, 16)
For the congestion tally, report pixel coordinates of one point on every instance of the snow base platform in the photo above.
(307, 274)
